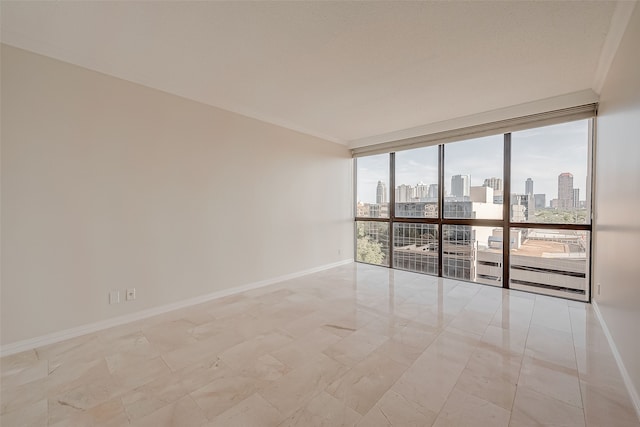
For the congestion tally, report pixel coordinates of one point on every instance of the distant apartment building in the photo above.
(433, 191)
(404, 193)
(460, 186)
(421, 191)
(522, 207)
(565, 191)
(495, 183)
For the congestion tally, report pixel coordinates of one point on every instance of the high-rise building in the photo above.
(495, 183)
(527, 210)
(540, 201)
(421, 191)
(565, 191)
(576, 198)
(528, 186)
(433, 191)
(381, 193)
(460, 185)
(404, 193)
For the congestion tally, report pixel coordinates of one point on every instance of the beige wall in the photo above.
(617, 225)
(107, 184)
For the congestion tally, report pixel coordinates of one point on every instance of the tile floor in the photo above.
(356, 345)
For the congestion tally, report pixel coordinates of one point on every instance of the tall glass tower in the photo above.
(381, 193)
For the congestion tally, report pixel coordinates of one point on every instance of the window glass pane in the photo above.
(473, 178)
(552, 262)
(373, 186)
(550, 183)
(472, 253)
(415, 247)
(549, 179)
(372, 242)
(417, 183)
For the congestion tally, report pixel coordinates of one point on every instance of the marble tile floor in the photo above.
(356, 345)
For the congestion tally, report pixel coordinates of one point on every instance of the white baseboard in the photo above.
(55, 337)
(631, 388)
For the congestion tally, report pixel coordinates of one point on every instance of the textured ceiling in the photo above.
(346, 71)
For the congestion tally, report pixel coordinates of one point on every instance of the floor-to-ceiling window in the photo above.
(509, 210)
(551, 209)
(416, 210)
(372, 210)
(469, 168)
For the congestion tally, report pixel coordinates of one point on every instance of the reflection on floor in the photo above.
(354, 345)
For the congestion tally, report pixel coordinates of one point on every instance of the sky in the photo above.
(540, 154)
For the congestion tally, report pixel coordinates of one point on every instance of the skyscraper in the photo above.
(433, 191)
(495, 183)
(460, 185)
(404, 193)
(528, 186)
(381, 193)
(421, 191)
(565, 191)
(576, 198)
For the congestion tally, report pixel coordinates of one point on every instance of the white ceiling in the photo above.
(350, 72)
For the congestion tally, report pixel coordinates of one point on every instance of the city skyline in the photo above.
(541, 154)
(567, 195)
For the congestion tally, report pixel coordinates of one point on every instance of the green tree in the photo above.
(556, 216)
(368, 250)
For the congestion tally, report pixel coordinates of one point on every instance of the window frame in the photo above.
(505, 223)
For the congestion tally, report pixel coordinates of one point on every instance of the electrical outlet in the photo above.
(131, 294)
(114, 297)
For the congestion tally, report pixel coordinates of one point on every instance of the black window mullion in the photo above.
(506, 210)
(392, 203)
(440, 206)
(355, 209)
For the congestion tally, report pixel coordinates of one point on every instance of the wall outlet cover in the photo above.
(114, 297)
